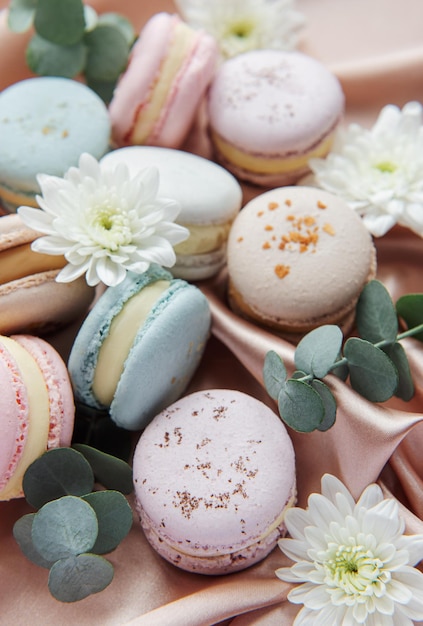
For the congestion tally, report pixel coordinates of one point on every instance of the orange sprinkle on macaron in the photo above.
(321, 205)
(282, 270)
(272, 206)
(266, 245)
(328, 228)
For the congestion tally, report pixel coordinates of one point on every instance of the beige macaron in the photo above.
(30, 298)
(298, 257)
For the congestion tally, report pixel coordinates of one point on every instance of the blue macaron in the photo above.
(139, 346)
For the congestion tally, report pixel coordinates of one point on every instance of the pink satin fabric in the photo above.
(376, 49)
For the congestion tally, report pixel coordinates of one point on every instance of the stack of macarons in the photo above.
(36, 407)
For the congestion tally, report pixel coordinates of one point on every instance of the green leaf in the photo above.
(318, 350)
(329, 404)
(372, 373)
(58, 472)
(108, 53)
(49, 59)
(410, 308)
(114, 517)
(74, 578)
(109, 471)
(60, 21)
(104, 89)
(22, 530)
(121, 23)
(21, 15)
(300, 406)
(376, 317)
(274, 374)
(67, 526)
(396, 353)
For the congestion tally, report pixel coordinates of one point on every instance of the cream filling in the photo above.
(116, 346)
(21, 261)
(203, 239)
(268, 164)
(38, 416)
(151, 110)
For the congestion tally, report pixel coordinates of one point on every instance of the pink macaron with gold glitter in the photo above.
(36, 407)
(214, 475)
(156, 99)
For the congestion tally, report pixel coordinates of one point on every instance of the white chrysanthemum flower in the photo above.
(354, 561)
(104, 222)
(243, 25)
(379, 172)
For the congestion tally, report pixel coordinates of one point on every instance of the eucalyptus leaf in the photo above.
(410, 308)
(61, 22)
(396, 353)
(318, 350)
(49, 59)
(300, 406)
(109, 471)
(22, 530)
(274, 374)
(108, 52)
(58, 472)
(114, 517)
(67, 526)
(21, 15)
(298, 374)
(121, 23)
(376, 318)
(76, 577)
(329, 404)
(372, 373)
(103, 88)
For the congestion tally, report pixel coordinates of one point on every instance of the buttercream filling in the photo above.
(151, 109)
(21, 261)
(117, 345)
(268, 164)
(203, 239)
(38, 416)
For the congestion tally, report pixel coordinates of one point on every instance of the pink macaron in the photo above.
(270, 111)
(214, 475)
(36, 407)
(156, 99)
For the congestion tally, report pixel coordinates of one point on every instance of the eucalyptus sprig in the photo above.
(70, 39)
(375, 362)
(74, 524)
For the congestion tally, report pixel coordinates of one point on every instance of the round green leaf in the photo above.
(396, 353)
(22, 530)
(104, 89)
(114, 516)
(300, 406)
(109, 471)
(376, 317)
(108, 53)
(410, 308)
(274, 374)
(121, 23)
(21, 15)
(76, 577)
(60, 21)
(318, 350)
(58, 472)
(372, 373)
(67, 526)
(48, 59)
(329, 404)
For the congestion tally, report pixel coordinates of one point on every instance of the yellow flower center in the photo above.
(386, 167)
(354, 570)
(241, 29)
(109, 226)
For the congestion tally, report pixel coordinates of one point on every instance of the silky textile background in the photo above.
(376, 49)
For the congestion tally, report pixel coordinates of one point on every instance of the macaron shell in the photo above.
(13, 232)
(214, 473)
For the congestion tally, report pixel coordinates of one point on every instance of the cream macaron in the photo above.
(298, 257)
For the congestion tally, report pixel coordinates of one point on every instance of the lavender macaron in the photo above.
(214, 475)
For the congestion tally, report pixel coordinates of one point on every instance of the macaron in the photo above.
(298, 257)
(214, 475)
(30, 298)
(46, 123)
(169, 70)
(210, 198)
(36, 407)
(269, 112)
(139, 346)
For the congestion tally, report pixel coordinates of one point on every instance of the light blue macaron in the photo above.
(165, 353)
(46, 123)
